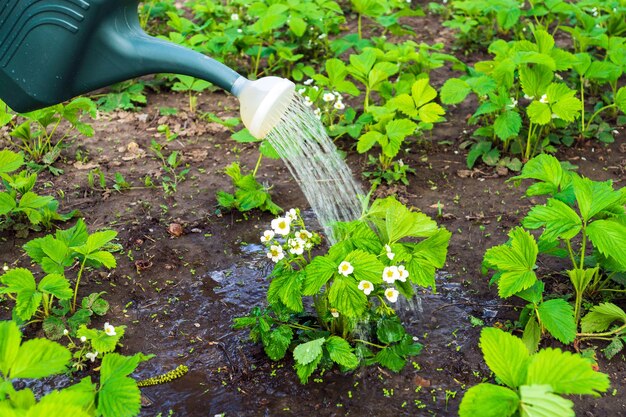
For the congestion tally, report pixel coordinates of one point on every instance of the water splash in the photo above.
(313, 160)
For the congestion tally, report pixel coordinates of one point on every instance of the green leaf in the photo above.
(305, 371)
(431, 113)
(609, 237)
(297, 26)
(405, 104)
(98, 239)
(366, 266)
(102, 257)
(506, 355)
(543, 168)
(390, 359)
(557, 316)
(53, 327)
(532, 335)
(397, 130)
(539, 401)
(593, 197)
(18, 280)
(308, 352)
(7, 203)
(56, 285)
(581, 278)
(389, 330)
(34, 201)
(346, 297)
(10, 161)
(381, 72)
(278, 341)
(341, 352)
(539, 113)
(454, 91)
(516, 262)
(119, 396)
(613, 348)
(422, 92)
(368, 140)
(567, 108)
(488, 400)
(10, 339)
(55, 408)
(288, 288)
(620, 99)
(507, 125)
(601, 316)
(566, 373)
(559, 220)
(74, 236)
(318, 272)
(38, 358)
(115, 365)
(395, 221)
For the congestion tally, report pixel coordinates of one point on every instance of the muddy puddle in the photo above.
(230, 375)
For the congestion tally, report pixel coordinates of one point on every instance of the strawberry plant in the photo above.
(577, 210)
(354, 288)
(533, 382)
(35, 133)
(115, 394)
(20, 207)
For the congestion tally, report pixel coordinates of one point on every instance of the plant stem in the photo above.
(527, 153)
(571, 253)
(584, 247)
(369, 343)
(600, 110)
(594, 335)
(582, 105)
(359, 26)
(258, 61)
(258, 164)
(80, 274)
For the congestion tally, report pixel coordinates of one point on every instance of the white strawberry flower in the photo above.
(391, 274)
(91, 356)
(390, 254)
(275, 253)
(281, 225)
(366, 286)
(339, 105)
(513, 104)
(304, 234)
(328, 97)
(5, 267)
(296, 246)
(234, 16)
(544, 99)
(109, 329)
(404, 274)
(334, 312)
(267, 236)
(83, 339)
(392, 295)
(527, 97)
(308, 82)
(66, 332)
(345, 268)
(307, 101)
(301, 91)
(291, 215)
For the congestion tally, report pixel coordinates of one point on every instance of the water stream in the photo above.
(313, 160)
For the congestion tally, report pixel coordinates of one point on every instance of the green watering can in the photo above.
(53, 50)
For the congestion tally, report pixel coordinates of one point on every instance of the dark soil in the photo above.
(178, 295)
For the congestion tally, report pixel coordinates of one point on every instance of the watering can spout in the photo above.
(54, 50)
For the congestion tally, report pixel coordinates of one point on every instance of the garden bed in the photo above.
(187, 267)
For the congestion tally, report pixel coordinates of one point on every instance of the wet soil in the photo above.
(179, 294)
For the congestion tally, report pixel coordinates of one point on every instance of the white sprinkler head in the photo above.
(263, 102)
